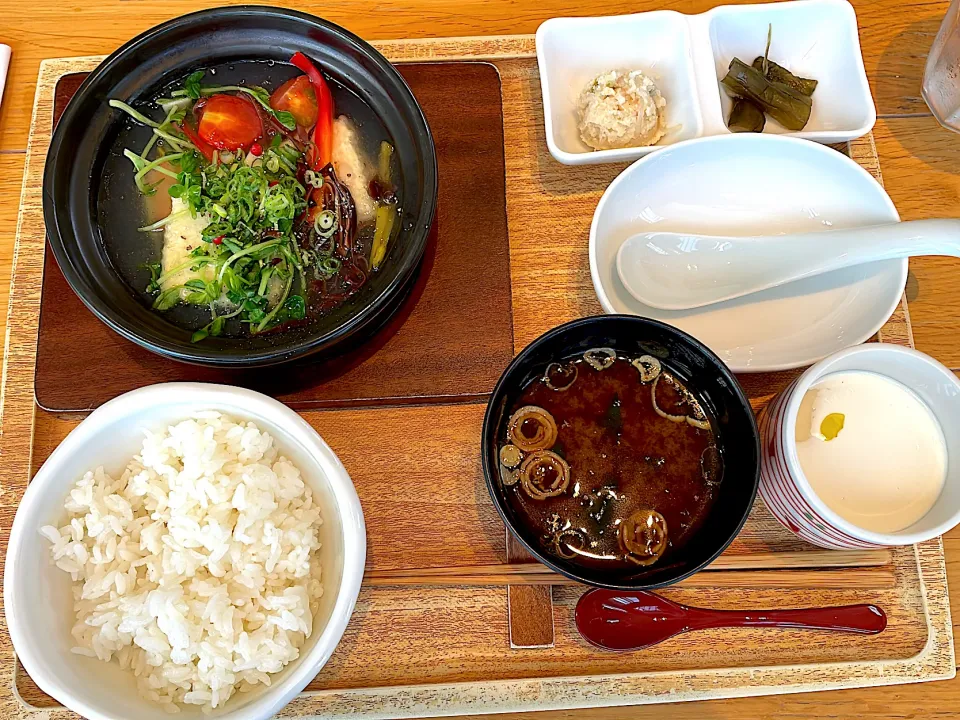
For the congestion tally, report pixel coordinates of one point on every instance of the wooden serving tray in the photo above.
(430, 651)
(420, 356)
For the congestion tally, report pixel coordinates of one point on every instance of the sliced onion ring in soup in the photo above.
(567, 542)
(643, 536)
(697, 417)
(600, 358)
(544, 474)
(656, 408)
(648, 367)
(532, 428)
(559, 377)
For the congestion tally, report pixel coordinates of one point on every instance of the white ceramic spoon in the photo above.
(678, 271)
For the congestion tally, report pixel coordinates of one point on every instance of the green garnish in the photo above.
(296, 307)
(245, 267)
(192, 85)
(259, 249)
(135, 114)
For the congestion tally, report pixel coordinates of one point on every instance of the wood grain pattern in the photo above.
(529, 606)
(526, 634)
(450, 339)
(921, 163)
(894, 36)
(457, 635)
(11, 177)
(753, 561)
(931, 701)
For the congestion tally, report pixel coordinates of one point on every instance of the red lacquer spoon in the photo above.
(634, 620)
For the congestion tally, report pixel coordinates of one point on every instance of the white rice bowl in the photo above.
(198, 568)
(65, 657)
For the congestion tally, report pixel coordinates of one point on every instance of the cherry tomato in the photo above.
(297, 97)
(229, 122)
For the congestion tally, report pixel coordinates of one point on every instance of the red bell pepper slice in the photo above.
(323, 130)
(205, 149)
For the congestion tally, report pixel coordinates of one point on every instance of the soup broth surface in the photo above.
(625, 460)
(122, 209)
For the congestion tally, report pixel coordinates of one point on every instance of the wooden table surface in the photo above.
(919, 159)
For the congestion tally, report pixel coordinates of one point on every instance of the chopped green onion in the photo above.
(170, 273)
(160, 224)
(246, 251)
(154, 165)
(177, 144)
(135, 114)
(330, 265)
(264, 281)
(325, 224)
(276, 308)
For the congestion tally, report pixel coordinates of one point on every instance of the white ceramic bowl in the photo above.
(754, 184)
(788, 494)
(686, 55)
(814, 39)
(37, 595)
(573, 51)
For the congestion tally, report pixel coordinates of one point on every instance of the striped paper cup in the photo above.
(790, 497)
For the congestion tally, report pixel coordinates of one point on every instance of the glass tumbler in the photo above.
(941, 77)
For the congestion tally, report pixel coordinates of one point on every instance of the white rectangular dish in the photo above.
(686, 55)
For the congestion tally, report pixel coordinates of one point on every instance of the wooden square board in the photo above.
(448, 343)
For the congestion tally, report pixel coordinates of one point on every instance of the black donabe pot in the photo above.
(86, 133)
(703, 373)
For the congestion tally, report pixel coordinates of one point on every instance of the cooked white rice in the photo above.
(199, 567)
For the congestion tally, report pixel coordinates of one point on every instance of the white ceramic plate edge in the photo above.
(800, 360)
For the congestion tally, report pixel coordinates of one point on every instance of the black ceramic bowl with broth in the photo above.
(733, 432)
(92, 208)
